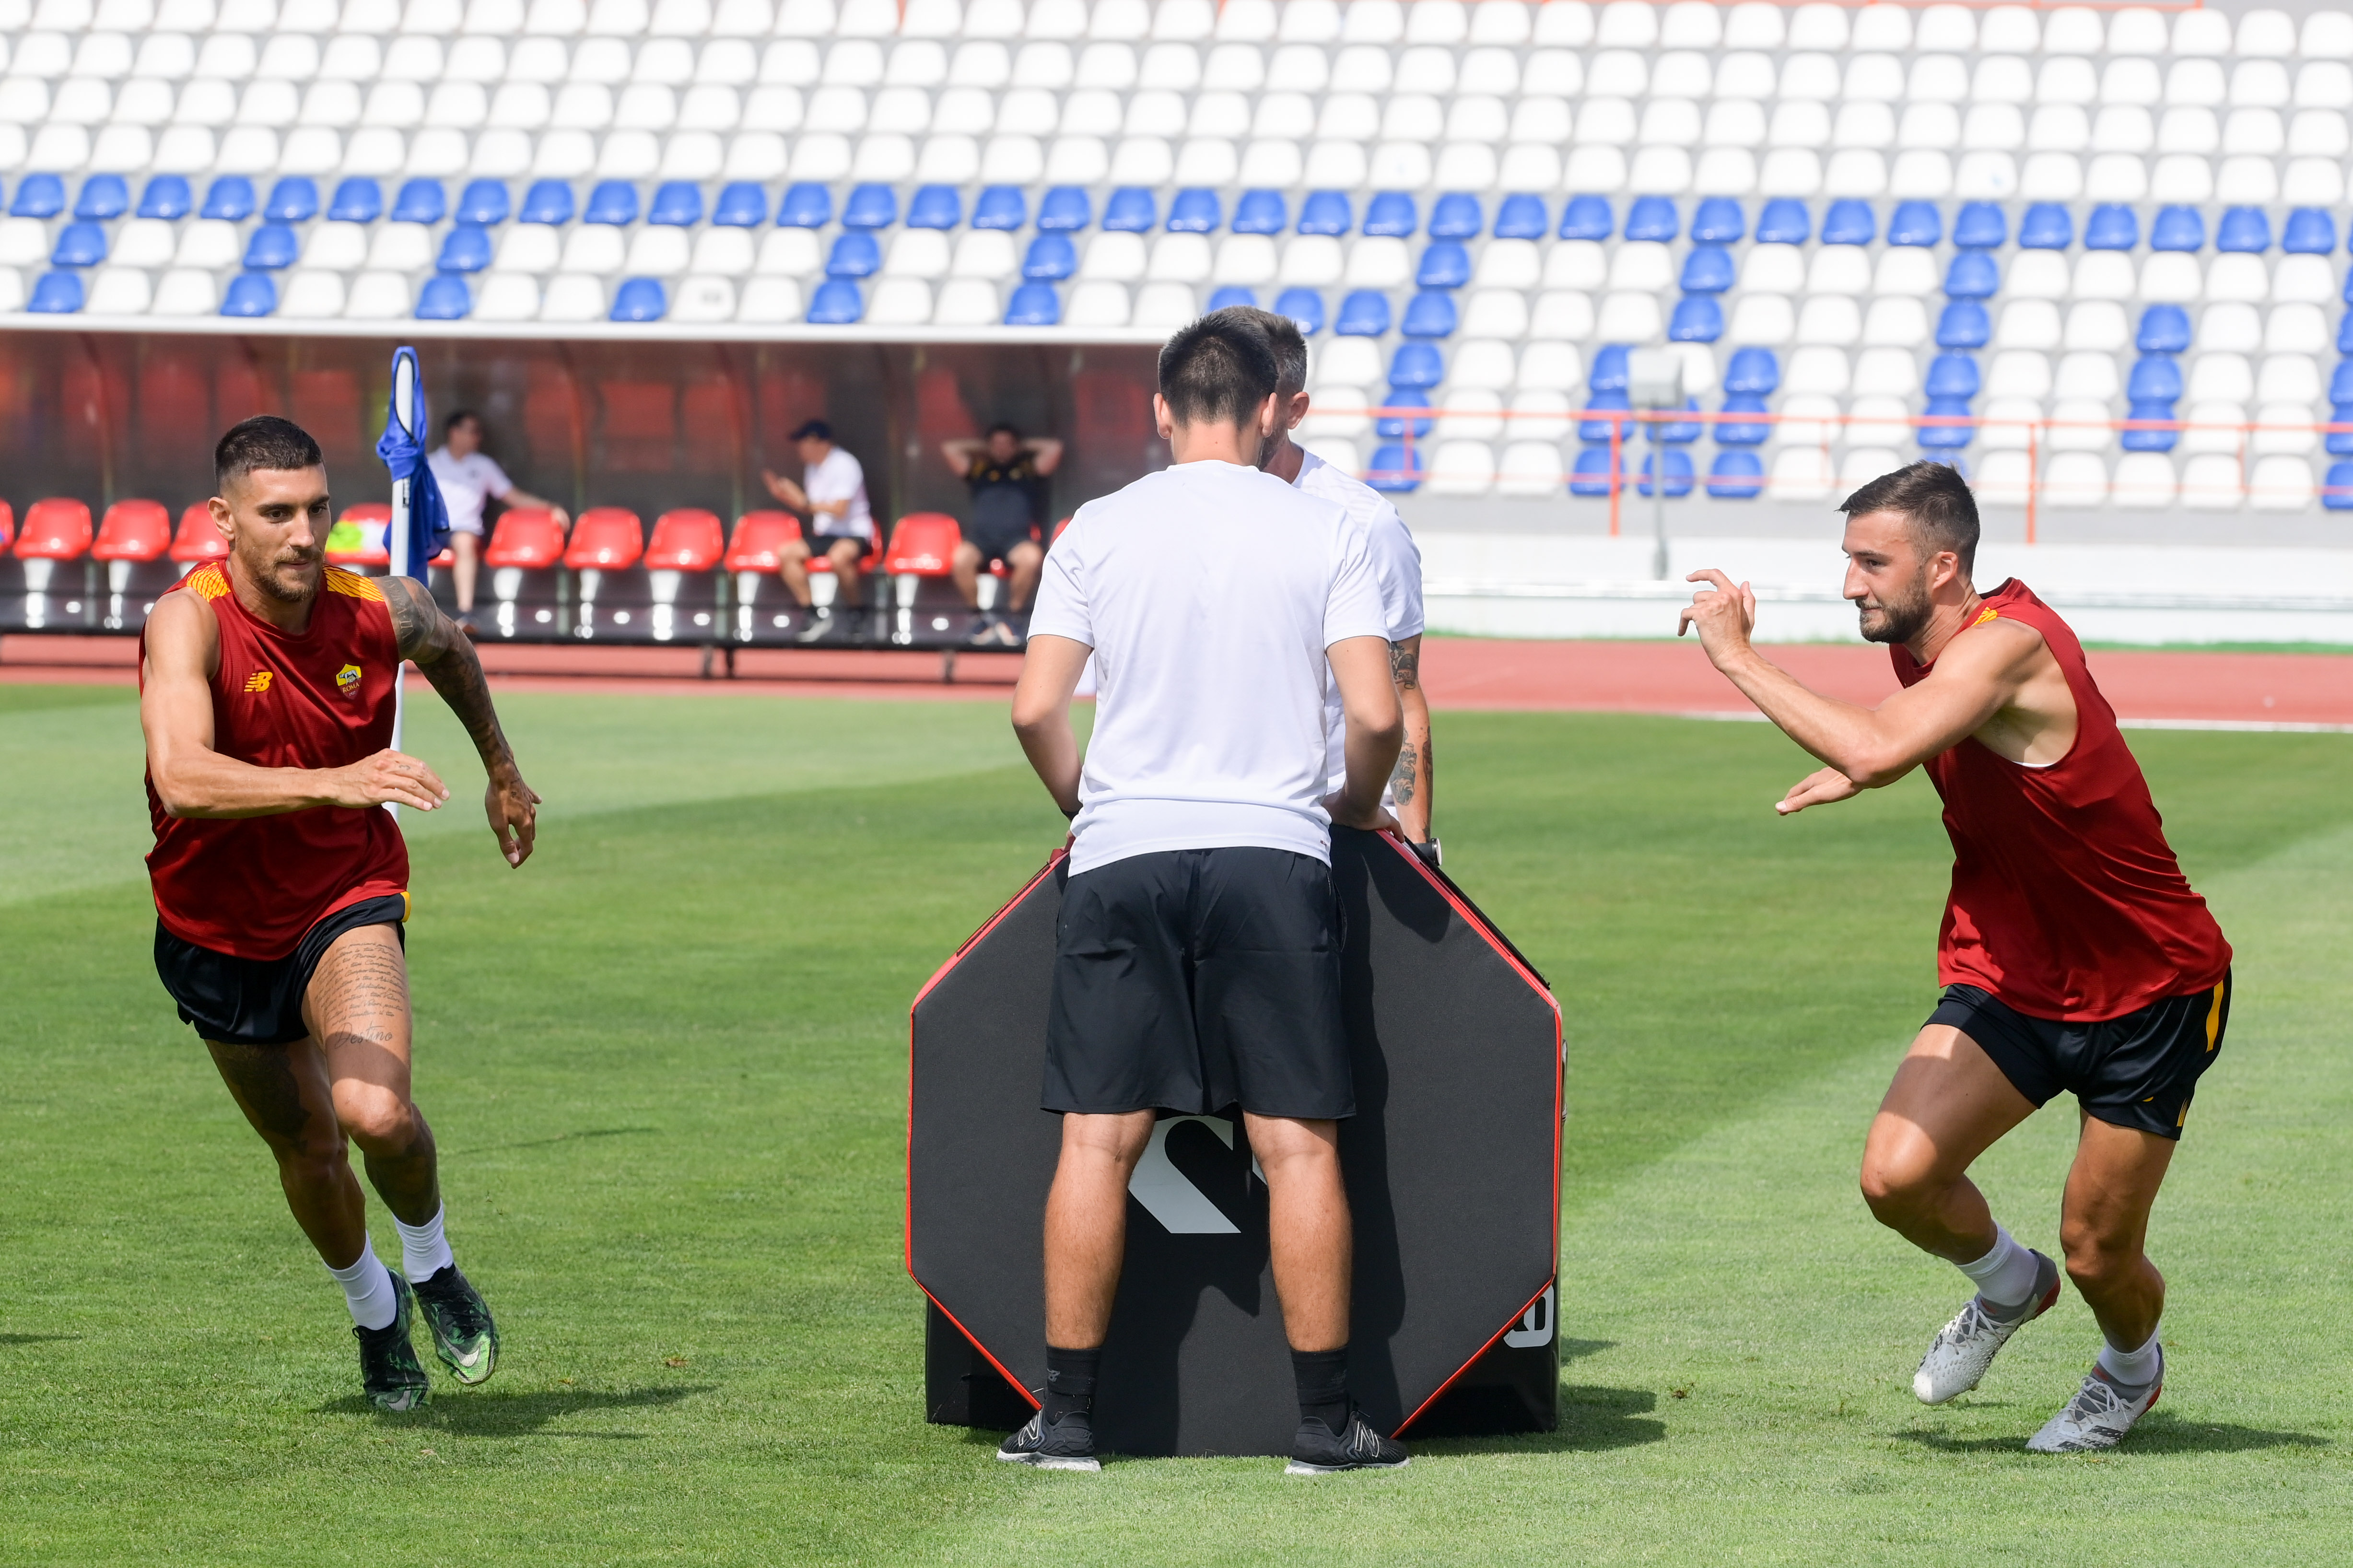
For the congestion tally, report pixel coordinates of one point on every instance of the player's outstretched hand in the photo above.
(1817, 788)
(1725, 616)
(1375, 821)
(513, 808)
(388, 777)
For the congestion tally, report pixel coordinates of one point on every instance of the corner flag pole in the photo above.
(407, 393)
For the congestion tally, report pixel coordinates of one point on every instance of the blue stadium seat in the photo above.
(1391, 212)
(1395, 469)
(1915, 223)
(1052, 258)
(1445, 264)
(1131, 210)
(2148, 440)
(1652, 218)
(1698, 319)
(80, 244)
(424, 201)
(273, 246)
(249, 294)
(871, 206)
(1609, 372)
(1708, 269)
(1304, 306)
(230, 199)
(2046, 226)
(547, 201)
(856, 255)
(2243, 229)
(1034, 305)
(636, 300)
(465, 249)
(1364, 314)
(1232, 294)
(1735, 475)
(1980, 226)
(1587, 218)
(1062, 210)
(484, 201)
(933, 206)
(108, 196)
(1677, 432)
(2310, 232)
(744, 204)
(2178, 228)
(678, 204)
(1729, 433)
(1457, 217)
(2337, 490)
(837, 303)
(1783, 222)
(1753, 370)
(361, 200)
(1946, 438)
(447, 299)
(2157, 379)
(1601, 402)
(1327, 212)
(2340, 385)
(1000, 207)
(1419, 365)
(1429, 314)
(1972, 276)
(167, 196)
(57, 294)
(807, 205)
(294, 199)
(1953, 375)
(44, 195)
(2340, 442)
(1520, 218)
(1718, 221)
(1589, 476)
(2110, 227)
(1262, 212)
(1963, 325)
(1673, 470)
(2344, 334)
(1196, 211)
(2348, 288)
(2164, 329)
(613, 202)
(1848, 221)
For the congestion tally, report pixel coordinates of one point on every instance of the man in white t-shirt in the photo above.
(838, 526)
(1197, 953)
(1396, 563)
(469, 481)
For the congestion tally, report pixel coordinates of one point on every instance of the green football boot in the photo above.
(388, 1366)
(464, 1337)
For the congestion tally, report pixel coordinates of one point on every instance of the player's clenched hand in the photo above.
(1817, 788)
(388, 777)
(513, 808)
(1725, 616)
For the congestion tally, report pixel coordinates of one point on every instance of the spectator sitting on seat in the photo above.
(831, 499)
(469, 481)
(1006, 474)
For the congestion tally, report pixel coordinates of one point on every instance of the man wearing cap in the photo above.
(830, 501)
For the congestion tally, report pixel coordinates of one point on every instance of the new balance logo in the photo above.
(259, 680)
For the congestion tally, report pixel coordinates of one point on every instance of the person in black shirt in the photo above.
(1008, 477)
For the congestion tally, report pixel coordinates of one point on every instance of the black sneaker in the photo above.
(821, 626)
(464, 1337)
(388, 1367)
(1317, 1452)
(1065, 1445)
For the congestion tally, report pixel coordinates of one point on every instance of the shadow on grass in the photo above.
(2158, 1432)
(559, 1138)
(35, 1339)
(519, 1415)
(1592, 1420)
(1578, 1349)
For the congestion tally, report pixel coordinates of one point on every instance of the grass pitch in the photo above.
(666, 1066)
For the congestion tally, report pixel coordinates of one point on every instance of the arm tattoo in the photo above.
(1405, 665)
(449, 662)
(1401, 778)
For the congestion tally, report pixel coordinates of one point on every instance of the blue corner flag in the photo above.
(424, 522)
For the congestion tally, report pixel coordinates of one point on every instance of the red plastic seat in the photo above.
(134, 531)
(922, 545)
(7, 524)
(1057, 533)
(760, 540)
(198, 540)
(372, 521)
(526, 536)
(608, 539)
(687, 540)
(56, 529)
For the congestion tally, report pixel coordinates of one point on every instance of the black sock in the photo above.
(1322, 1380)
(1070, 1382)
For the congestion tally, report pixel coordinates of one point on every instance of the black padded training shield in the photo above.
(1452, 1163)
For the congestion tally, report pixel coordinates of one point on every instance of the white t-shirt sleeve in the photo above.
(1400, 577)
(494, 478)
(1060, 608)
(1353, 607)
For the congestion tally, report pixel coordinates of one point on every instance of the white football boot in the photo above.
(1966, 1346)
(2098, 1416)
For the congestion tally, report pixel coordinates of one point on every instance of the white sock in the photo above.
(424, 1250)
(2005, 1275)
(2137, 1368)
(368, 1289)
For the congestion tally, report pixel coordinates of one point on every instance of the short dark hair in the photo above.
(1220, 368)
(1934, 499)
(264, 441)
(814, 430)
(458, 417)
(1001, 427)
(1289, 347)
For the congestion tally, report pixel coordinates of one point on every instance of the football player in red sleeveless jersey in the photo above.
(267, 687)
(2073, 954)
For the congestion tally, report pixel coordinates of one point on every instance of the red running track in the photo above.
(2288, 689)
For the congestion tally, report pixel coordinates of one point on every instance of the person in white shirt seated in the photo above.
(837, 524)
(1196, 962)
(469, 480)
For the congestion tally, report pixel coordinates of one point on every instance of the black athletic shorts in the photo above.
(821, 544)
(258, 1001)
(2140, 1070)
(1194, 980)
(998, 541)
